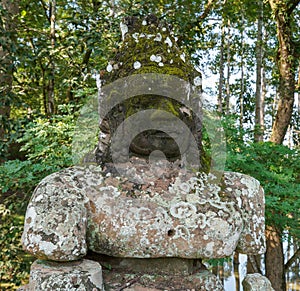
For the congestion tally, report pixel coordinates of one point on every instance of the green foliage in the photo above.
(14, 263)
(47, 143)
(48, 140)
(277, 168)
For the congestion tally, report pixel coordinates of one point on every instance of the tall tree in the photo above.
(221, 70)
(286, 62)
(259, 100)
(52, 19)
(228, 52)
(283, 13)
(8, 13)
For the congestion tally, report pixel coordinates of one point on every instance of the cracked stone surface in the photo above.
(82, 275)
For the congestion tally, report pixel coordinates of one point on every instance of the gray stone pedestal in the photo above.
(84, 275)
(156, 274)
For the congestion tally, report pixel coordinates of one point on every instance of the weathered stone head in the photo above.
(150, 55)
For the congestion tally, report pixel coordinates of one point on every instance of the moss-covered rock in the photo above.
(149, 47)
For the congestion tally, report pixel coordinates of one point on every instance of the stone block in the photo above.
(200, 281)
(82, 275)
(257, 282)
(55, 221)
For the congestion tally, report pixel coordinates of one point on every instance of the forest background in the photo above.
(50, 51)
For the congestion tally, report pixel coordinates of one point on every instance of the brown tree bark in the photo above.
(242, 82)
(51, 86)
(7, 40)
(259, 100)
(274, 259)
(228, 52)
(282, 11)
(221, 72)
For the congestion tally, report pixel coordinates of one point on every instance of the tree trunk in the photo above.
(221, 72)
(259, 102)
(298, 89)
(254, 264)
(242, 84)
(282, 11)
(51, 86)
(7, 42)
(228, 42)
(236, 264)
(274, 259)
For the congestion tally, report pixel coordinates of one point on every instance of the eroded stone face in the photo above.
(189, 216)
(149, 47)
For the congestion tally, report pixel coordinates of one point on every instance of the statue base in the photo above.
(145, 274)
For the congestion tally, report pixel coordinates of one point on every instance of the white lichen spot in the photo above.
(239, 200)
(182, 56)
(109, 68)
(164, 29)
(198, 81)
(169, 42)
(144, 22)
(220, 227)
(175, 38)
(142, 35)
(192, 198)
(251, 184)
(161, 64)
(102, 135)
(209, 249)
(185, 187)
(201, 220)
(124, 29)
(47, 247)
(182, 210)
(171, 62)
(210, 246)
(182, 232)
(136, 35)
(137, 65)
(158, 37)
(155, 58)
(186, 111)
(31, 215)
(38, 198)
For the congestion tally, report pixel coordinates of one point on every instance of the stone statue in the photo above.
(140, 212)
